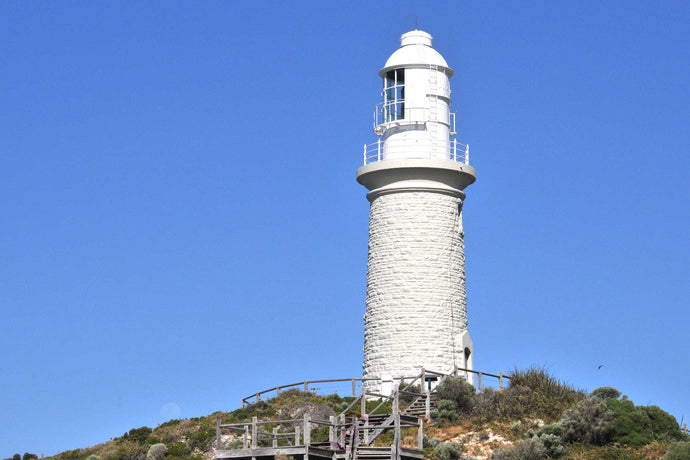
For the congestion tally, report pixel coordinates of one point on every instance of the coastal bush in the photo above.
(526, 449)
(535, 393)
(590, 422)
(156, 452)
(448, 451)
(641, 425)
(605, 393)
(178, 449)
(678, 451)
(460, 392)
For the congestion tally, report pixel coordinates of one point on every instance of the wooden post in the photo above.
(354, 388)
(341, 426)
(258, 397)
(397, 436)
(254, 433)
(500, 380)
(275, 436)
(277, 391)
(427, 405)
(423, 377)
(366, 431)
(244, 403)
(331, 431)
(479, 381)
(297, 433)
(218, 433)
(306, 386)
(420, 435)
(245, 438)
(307, 430)
(363, 412)
(396, 394)
(455, 370)
(307, 436)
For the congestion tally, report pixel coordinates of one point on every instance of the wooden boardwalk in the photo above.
(350, 434)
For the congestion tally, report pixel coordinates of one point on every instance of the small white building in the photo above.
(416, 307)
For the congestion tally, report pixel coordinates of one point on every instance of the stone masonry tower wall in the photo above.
(416, 307)
(415, 289)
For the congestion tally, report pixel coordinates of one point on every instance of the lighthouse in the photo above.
(416, 174)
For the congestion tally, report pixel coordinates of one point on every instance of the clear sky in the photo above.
(181, 225)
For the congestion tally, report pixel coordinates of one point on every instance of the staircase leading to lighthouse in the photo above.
(352, 434)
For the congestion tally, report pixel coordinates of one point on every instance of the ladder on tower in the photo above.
(432, 122)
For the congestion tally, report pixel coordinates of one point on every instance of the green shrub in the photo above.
(448, 451)
(589, 422)
(678, 451)
(156, 452)
(641, 425)
(534, 393)
(236, 444)
(93, 457)
(605, 393)
(446, 410)
(430, 442)
(552, 443)
(526, 449)
(140, 435)
(459, 391)
(28, 456)
(178, 449)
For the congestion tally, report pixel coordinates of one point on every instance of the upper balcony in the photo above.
(376, 151)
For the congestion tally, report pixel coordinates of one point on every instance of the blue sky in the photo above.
(181, 224)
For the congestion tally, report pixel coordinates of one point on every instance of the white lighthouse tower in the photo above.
(416, 309)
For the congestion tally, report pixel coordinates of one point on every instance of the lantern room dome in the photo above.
(415, 50)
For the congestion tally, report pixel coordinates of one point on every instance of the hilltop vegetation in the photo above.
(537, 417)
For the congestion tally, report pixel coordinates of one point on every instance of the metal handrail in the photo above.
(373, 152)
(390, 106)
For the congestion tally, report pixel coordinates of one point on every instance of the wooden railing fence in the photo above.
(306, 384)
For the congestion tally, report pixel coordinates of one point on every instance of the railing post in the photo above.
(331, 432)
(218, 433)
(379, 149)
(254, 433)
(427, 405)
(422, 376)
(363, 412)
(455, 150)
(277, 391)
(365, 154)
(479, 381)
(354, 388)
(396, 414)
(245, 437)
(396, 401)
(366, 431)
(307, 430)
(275, 437)
(258, 397)
(306, 386)
(297, 433)
(500, 380)
(244, 403)
(467, 154)
(420, 435)
(341, 426)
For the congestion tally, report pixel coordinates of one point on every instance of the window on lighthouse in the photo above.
(394, 95)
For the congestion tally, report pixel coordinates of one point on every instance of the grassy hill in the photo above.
(536, 417)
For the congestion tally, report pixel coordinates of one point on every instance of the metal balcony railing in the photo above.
(395, 111)
(375, 152)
